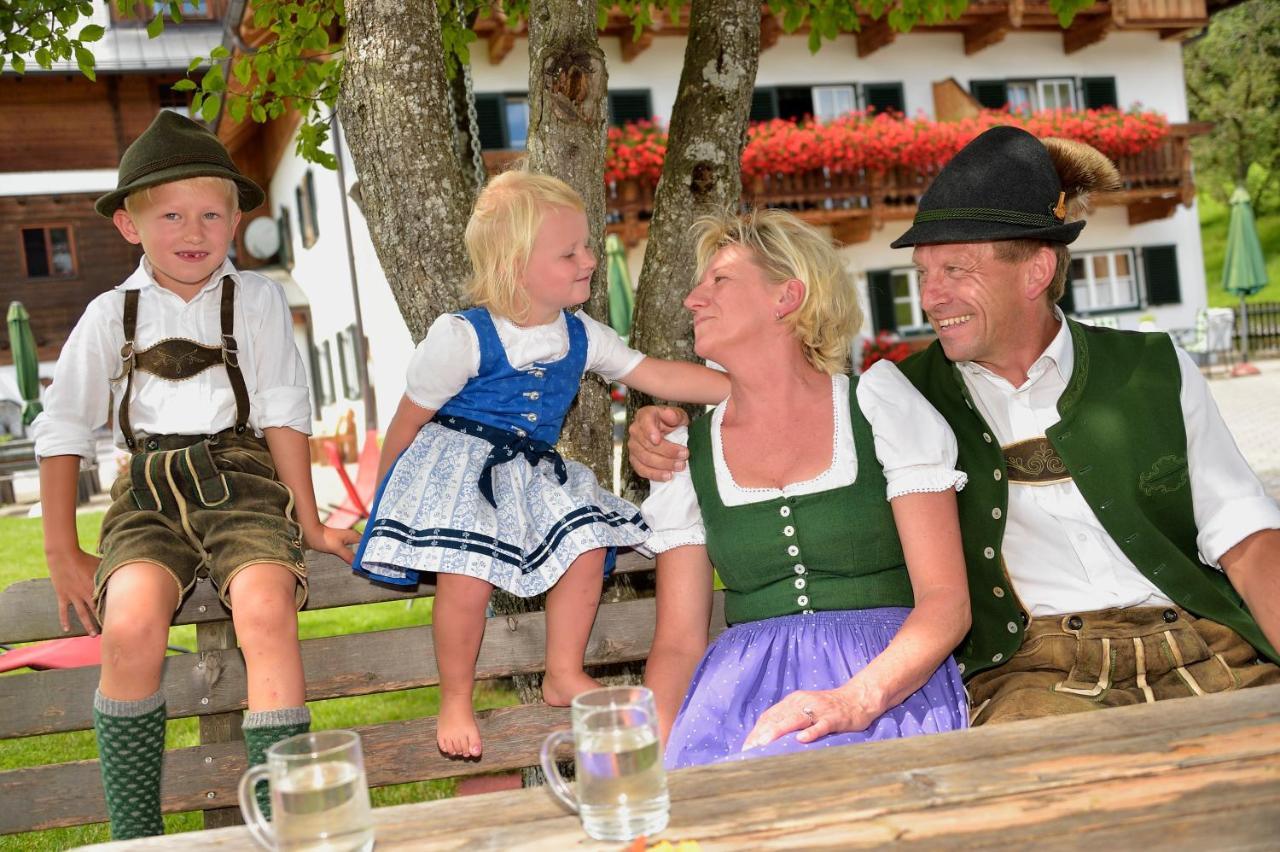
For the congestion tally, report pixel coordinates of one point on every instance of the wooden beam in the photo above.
(770, 29)
(1150, 209)
(501, 40)
(1179, 33)
(850, 231)
(952, 103)
(633, 47)
(1084, 32)
(873, 36)
(986, 32)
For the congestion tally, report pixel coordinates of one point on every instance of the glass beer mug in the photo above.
(621, 784)
(319, 796)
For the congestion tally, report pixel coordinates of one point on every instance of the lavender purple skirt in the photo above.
(752, 666)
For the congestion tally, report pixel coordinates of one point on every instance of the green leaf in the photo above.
(236, 108)
(197, 100)
(175, 11)
(185, 85)
(17, 44)
(86, 9)
(213, 80)
(156, 26)
(84, 58)
(43, 59)
(259, 113)
(243, 69)
(306, 19)
(19, 64)
(209, 109)
(194, 64)
(219, 52)
(317, 39)
(91, 33)
(38, 30)
(67, 15)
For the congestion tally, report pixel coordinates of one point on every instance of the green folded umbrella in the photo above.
(26, 361)
(1244, 270)
(620, 296)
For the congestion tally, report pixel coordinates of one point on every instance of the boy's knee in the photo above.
(264, 611)
(128, 640)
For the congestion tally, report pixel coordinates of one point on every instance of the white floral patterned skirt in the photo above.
(429, 516)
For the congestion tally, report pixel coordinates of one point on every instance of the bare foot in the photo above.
(457, 734)
(559, 689)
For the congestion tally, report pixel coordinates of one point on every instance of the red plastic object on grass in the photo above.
(359, 493)
(55, 654)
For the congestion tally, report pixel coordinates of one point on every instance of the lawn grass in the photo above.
(21, 545)
(1214, 218)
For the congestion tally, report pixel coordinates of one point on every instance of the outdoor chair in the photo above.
(1212, 340)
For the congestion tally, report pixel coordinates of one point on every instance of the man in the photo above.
(1119, 548)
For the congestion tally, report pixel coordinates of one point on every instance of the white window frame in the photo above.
(823, 114)
(1035, 93)
(1113, 282)
(919, 322)
(1062, 84)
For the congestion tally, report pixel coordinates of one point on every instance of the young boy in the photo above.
(196, 360)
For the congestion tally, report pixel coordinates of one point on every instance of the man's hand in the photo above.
(332, 540)
(72, 576)
(651, 455)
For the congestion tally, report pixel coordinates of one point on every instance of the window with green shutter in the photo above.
(1160, 271)
(882, 97)
(629, 105)
(880, 297)
(491, 118)
(764, 104)
(1099, 92)
(990, 93)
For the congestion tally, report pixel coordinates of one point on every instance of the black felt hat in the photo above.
(175, 148)
(1004, 185)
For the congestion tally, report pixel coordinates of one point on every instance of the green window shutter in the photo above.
(1160, 269)
(764, 104)
(882, 97)
(1068, 301)
(1099, 92)
(491, 120)
(793, 102)
(991, 94)
(880, 296)
(629, 105)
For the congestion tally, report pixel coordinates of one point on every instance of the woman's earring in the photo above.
(777, 315)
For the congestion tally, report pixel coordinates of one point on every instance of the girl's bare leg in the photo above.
(571, 610)
(457, 623)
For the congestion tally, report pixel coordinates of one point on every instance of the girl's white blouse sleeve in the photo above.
(915, 446)
(446, 359)
(607, 355)
(671, 510)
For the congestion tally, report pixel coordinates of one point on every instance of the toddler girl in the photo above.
(472, 487)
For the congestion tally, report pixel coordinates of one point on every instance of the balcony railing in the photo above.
(855, 203)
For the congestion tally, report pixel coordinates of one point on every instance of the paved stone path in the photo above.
(1251, 407)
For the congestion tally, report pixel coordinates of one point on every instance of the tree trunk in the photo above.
(416, 198)
(701, 174)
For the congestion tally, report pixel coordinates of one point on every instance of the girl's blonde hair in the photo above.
(785, 247)
(501, 232)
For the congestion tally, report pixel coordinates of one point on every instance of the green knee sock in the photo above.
(263, 729)
(131, 754)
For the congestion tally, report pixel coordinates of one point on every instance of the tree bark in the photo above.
(701, 174)
(416, 198)
(568, 115)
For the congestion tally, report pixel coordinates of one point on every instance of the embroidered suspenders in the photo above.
(177, 359)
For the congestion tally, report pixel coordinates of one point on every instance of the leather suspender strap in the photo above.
(231, 355)
(128, 362)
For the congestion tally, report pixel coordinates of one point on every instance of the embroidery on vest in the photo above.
(1168, 474)
(177, 358)
(1034, 462)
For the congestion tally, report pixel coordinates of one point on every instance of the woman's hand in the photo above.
(814, 715)
(650, 454)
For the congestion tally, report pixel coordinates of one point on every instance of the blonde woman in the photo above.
(827, 506)
(472, 487)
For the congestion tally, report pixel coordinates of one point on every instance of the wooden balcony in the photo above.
(855, 204)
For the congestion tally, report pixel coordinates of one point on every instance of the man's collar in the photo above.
(1059, 353)
(142, 278)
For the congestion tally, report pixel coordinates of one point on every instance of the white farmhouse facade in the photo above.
(1131, 270)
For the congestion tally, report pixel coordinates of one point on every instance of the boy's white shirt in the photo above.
(449, 356)
(84, 386)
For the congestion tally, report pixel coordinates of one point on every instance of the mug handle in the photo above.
(555, 780)
(253, 818)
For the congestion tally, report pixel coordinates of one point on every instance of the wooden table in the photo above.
(1195, 773)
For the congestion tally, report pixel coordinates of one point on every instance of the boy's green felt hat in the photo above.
(175, 148)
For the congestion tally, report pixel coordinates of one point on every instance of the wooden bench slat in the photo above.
(59, 795)
(29, 611)
(335, 666)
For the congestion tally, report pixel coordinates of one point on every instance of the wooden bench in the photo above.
(210, 684)
(19, 455)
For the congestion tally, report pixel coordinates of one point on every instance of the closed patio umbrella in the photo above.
(1244, 270)
(26, 362)
(620, 297)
